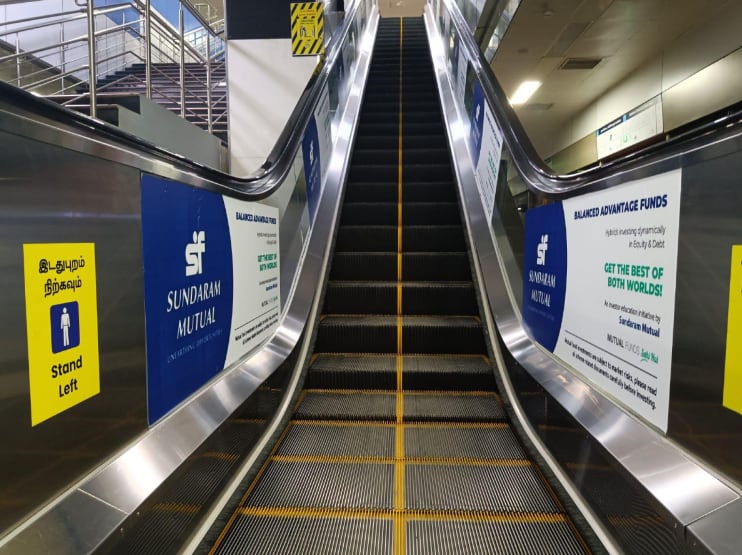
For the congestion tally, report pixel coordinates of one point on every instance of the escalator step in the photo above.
(443, 238)
(361, 297)
(423, 141)
(369, 239)
(357, 334)
(460, 488)
(418, 298)
(364, 265)
(390, 156)
(448, 299)
(452, 407)
(369, 213)
(420, 334)
(441, 191)
(478, 536)
(353, 372)
(280, 534)
(413, 213)
(316, 440)
(447, 372)
(375, 173)
(427, 172)
(336, 485)
(442, 335)
(375, 156)
(329, 405)
(370, 140)
(431, 213)
(461, 443)
(436, 266)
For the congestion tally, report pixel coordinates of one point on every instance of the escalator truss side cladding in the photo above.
(399, 442)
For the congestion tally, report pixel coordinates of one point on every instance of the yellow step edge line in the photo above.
(410, 393)
(460, 425)
(420, 461)
(315, 512)
(332, 459)
(402, 518)
(387, 355)
(399, 541)
(485, 516)
(353, 391)
(345, 423)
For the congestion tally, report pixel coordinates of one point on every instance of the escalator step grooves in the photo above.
(309, 536)
(325, 485)
(399, 442)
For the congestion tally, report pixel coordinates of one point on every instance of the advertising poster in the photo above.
(315, 147)
(599, 288)
(211, 285)
(485, 147)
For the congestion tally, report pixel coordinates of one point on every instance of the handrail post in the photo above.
(209, 109)
(92, 65)
(147, 47)
(181, 27)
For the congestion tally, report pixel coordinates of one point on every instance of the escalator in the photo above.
(399, 441)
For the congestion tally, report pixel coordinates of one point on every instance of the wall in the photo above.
(401, 8)
(687, 56)
(265, 82)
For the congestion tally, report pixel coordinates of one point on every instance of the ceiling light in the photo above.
(524, 92)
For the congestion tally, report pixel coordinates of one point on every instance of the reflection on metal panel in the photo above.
(53, 195)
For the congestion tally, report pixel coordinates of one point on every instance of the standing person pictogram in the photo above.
(65, 326)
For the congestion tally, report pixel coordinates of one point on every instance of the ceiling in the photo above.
(623, 34)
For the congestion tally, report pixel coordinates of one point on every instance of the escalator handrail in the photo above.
(539, 177)
(261, 184)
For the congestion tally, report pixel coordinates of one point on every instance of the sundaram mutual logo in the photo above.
(541, 249)
(542, 279)
(191, 298)
(194, 254)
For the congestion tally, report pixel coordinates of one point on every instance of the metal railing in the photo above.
(80, 57)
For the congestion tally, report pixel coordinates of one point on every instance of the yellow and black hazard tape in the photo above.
(307, 28)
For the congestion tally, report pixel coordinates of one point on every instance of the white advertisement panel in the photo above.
(599, 288)
(485, 146)
(256, 308)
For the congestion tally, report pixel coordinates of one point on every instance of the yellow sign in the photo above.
(733, 366)
(307, 28)
(62, 326)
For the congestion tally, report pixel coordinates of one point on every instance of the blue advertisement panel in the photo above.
(312, 166)
(196, 246)
(188, 289)
(599, 288)
(316, 149)
(545, 273)
(476, 123)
